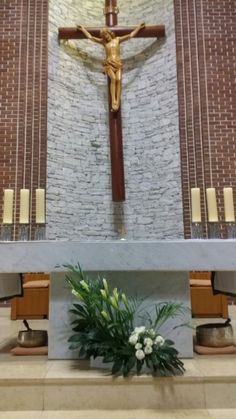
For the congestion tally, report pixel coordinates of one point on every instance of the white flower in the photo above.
(133, 339)
(139, 354)
(138, 346)
(148, 342)
(148, 350)
(160, 340)
(139, 330)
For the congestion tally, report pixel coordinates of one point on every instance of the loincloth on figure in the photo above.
(113, 65)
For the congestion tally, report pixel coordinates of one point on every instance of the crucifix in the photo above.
(110, 38)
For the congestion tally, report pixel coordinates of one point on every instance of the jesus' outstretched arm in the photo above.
(88, 35)
(133, 33)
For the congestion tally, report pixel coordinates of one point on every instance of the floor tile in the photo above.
(37, 414)
(222, 413)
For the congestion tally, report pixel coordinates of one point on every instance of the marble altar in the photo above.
(160, 255)
(156, 269)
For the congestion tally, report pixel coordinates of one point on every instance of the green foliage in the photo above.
(104, 326)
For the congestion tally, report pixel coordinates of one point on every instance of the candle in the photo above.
(229, 205)
(8, 206)
(40, 206)
(211, 205)
(196, 205)
(24, 206)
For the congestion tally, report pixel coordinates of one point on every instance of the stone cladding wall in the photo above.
(79, 204)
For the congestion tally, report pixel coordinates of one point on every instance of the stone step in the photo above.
(71, 385)
(123, 414)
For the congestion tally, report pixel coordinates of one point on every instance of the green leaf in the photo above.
(82, 352)
(74, 338)
(167, 310)
(81, 326)
(169, 342)
(139, 365)
(74, 345)
(170, 351)
(78, 337)
(148, 360)
(108, 358)
(117, 366)
(129, 365)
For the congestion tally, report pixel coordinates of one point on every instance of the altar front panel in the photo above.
(154, 286)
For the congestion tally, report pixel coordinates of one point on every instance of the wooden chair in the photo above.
(35, 300)
(204, 303)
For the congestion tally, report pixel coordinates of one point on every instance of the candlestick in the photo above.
(40, 230)
(23, 234)
(40, 206)
(229, 205)
(122, 232)
(196, 231)
(6, 232)
(230, 230)
(213, 230)
(24, 206)
(211, 205)
(8, 206)
(196, 205)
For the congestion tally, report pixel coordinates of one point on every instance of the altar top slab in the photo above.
(120, 255)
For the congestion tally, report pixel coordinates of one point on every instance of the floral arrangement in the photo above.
(104, 326)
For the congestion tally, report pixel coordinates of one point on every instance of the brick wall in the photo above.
(206, 64)
(23, 92)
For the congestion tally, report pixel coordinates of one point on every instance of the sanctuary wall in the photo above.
(79, 182)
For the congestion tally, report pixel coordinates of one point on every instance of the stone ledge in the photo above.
(176, 255)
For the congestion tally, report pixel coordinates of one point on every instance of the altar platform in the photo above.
(38, 388)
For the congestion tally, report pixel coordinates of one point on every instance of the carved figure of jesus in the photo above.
(112, 65)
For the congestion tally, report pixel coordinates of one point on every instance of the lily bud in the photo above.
(114, 303)
(105, 315)
(105, 284)
(116, 294)
(77, 295)
(104, 295)
(124, 299)
(85, 286)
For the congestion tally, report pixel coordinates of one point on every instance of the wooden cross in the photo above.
(115, 122)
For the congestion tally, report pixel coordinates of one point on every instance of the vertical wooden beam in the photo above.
(115, 124)
(111, 12)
